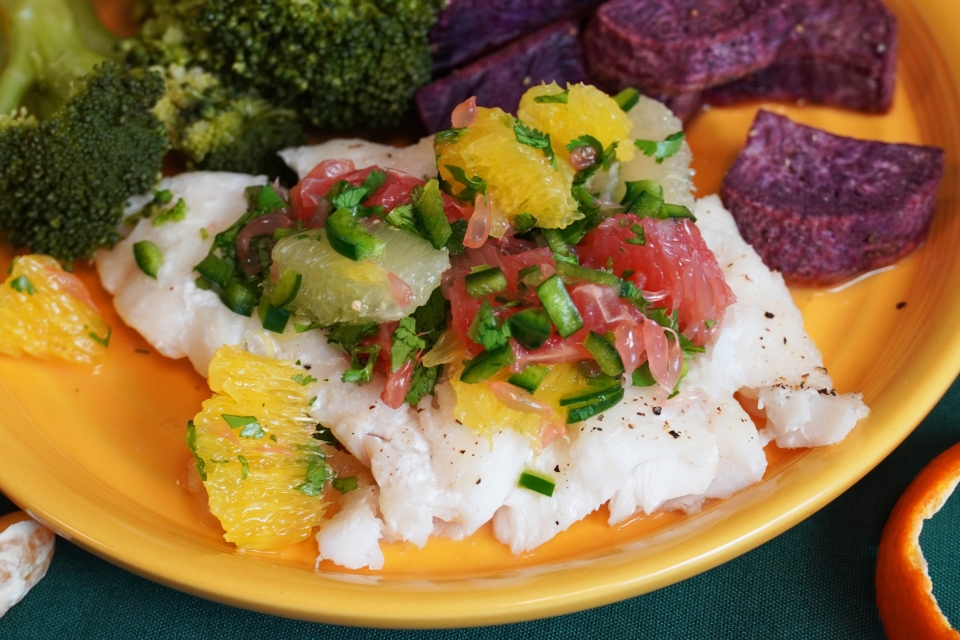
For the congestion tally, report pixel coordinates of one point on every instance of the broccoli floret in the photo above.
(340, 63)
(218, 129)
(66, 179)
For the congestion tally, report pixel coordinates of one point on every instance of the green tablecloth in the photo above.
(814, 581)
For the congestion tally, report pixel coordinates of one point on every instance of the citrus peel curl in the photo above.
(905, 597)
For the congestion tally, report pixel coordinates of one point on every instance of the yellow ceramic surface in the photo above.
(99, 456)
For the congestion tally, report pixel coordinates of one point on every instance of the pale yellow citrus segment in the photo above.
(272, 506)
(478, 408)
(588, 111)
(519, 178)
(47, 312)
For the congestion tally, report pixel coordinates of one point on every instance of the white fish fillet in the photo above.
(171, 312)
(437, 477)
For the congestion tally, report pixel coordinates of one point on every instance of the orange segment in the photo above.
(45, 311)
(253, 441)
(905, 598)
(588, 111)
(26, 548)
(519, 178)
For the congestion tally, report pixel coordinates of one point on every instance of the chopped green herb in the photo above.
(149, 257)
(472, 187)
(433, 314)
(324, 435)
(709, 324)
(192, 445)
(429, 214)
(585, 141)
(105, 340)
(661, 150)
(560, 98)
(249, 425)
(422, 383)
(317, 474)
(536, 482)
(344, 485)
(204, 234)
(454, 244)
(303, 379)
(448, 136)
(22, 284)
(486, 330)
(641, 237)
(405, 344)
(162, 196)
(642, 376)
(402, 217)
(536, 139)
(359, 372)
(244, 468)
(604, 353)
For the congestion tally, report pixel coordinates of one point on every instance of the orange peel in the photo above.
(26, 548)
(905, 597)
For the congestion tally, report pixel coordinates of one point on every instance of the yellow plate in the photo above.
(99, 455)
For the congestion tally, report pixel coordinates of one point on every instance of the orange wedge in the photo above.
(26, 548)
(905, 598)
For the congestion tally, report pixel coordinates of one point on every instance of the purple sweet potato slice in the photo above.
(673, 47)
(467, 29)
(500, 79)
(841, 54)
(821, 208)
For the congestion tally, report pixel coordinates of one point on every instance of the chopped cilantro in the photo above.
(344, 485)
(448, 136)
(105, 340)
(471, 186)
(324, 435)
(628, 98)
(709, 324)
(422, 383)
(192, 445)
(661, 150)
(244, 467)
(433, 314)
(359, 372)
(22, 284)
(405, 344)
(402, 217)
(536, 139)
(204, 234)
(640, 239)
(317, 474)
(560, 98)
(249, 425)
(303, 380)
(486, 329)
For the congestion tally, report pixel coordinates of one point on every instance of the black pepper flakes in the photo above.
(674, 434)
(556, 469)
(768, 315)
(657, 410)
(901, 305)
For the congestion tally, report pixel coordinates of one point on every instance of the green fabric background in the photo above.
(813, 582)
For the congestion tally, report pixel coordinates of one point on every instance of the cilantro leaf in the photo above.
(402, 217)
(560, 98)
(604, 160)
(533, 138)
(641, 237)
(405, 344)
(343, 485)
(422, 383)
(359, 372)
(22, 284)
(244, 467)
(585, 141)
(303, 380)
(324, 435)
(472, 186)
(105, 340)
(448, 136)
(347, 337)
(192, 445)
(486, 329)
(661, 150)
(458, 230)
(249, 425)
(433, 314)
(350, 198)
(317, 474)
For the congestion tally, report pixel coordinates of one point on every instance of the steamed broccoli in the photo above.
(81, 134)
(219, 129)
(339, 63)
(65, 180)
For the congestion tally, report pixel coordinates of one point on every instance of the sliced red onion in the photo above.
(262, 226)
(320, 215)
(465, 113)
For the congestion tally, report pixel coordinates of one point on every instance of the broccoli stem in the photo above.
(47, 51)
